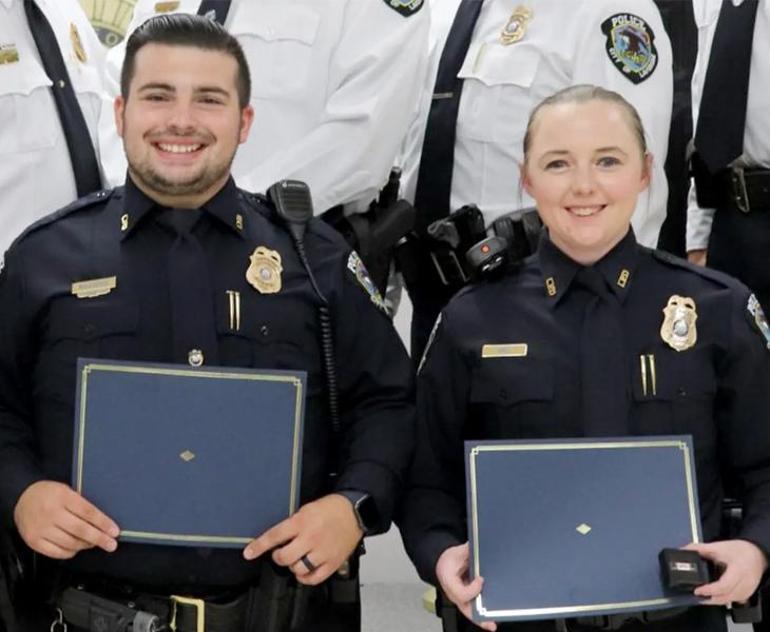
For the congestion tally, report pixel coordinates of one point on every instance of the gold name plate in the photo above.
(518, 350)
(94, 287)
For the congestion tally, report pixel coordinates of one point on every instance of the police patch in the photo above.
(405, 7)
(631, 46)
(357, 267)
(757, 318)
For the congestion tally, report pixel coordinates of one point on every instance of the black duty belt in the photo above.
(152, 613)
(616, 621)
(738, 188)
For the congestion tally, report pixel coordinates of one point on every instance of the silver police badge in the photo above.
(678, 329)
(264, 273)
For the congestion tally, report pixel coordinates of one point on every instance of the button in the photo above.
(89, 329)
(503, 393)
(195, 357)
(62, 84)
(264, 330)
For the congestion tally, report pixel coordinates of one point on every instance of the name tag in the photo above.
(518, 350)
(94, 287)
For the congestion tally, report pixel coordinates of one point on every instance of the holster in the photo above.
(15, 581)
(374, 234)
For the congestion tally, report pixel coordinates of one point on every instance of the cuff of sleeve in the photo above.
(378, 482)
(15, 480)
(433, 544)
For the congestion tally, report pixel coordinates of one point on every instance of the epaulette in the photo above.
(78, 205)
(673, 261)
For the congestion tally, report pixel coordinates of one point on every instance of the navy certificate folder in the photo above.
(188, 456)
(573, 527)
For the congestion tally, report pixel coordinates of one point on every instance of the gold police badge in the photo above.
(516, 27)
(77, 44)
(678, 329)
(264, 273)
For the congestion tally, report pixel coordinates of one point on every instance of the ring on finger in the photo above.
(307, 563)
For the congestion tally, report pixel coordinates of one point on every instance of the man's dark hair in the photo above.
(184, 29)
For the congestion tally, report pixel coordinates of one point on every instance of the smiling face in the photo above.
(585, 169)
(181, 123)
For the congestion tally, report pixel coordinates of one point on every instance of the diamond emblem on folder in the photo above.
(187, 456)
(583, 529)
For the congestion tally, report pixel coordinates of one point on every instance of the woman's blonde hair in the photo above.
(582, 94)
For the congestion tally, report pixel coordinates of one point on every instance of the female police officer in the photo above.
(595, 309)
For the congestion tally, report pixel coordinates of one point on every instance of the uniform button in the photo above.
(503, 393)
(195, 357)
(681, 392)
(89, 329)
(62, 83)
(264, 330)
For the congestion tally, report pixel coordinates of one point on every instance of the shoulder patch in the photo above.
(405, 7)
(359, 271)
(756, 316)
(97, 197)
(630, 45)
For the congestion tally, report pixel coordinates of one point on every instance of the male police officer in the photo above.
(51, 88)
(179, 238)
(335, 85)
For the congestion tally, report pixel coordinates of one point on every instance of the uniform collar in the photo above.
(617, 268)
(224, 206)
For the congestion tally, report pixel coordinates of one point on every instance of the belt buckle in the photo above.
(200, 607)
(740, 193)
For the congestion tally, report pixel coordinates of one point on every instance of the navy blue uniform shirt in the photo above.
(623, 379)
(44, 328)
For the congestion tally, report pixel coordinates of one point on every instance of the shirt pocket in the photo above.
(83, 328)
(269, 333)
(28, 115)
(279, 38)
(512, 398)
(676, 397)
(497, 83)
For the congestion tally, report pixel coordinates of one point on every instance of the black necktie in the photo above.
(79, 144)
(722, 114)
(604, 410)
(193, 324)
(220, 9)
(434, 180)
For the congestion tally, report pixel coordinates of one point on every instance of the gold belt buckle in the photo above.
(200, 607)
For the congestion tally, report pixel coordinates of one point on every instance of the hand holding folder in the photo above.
(56, 521)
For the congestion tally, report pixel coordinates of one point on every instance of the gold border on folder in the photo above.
(556, 611)
(299, 398)
(518, 350)
(94, 287)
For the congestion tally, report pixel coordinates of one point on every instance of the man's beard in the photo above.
(196, 184)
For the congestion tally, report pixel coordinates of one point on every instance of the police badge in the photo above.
(516, 27)
(264, 273)
(678, 329)
(631, 46)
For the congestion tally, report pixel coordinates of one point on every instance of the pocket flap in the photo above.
(506, 381)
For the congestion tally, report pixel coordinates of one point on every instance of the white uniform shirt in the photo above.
(563, 45)
(36, 176)
(335, 84)
(756, 139)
